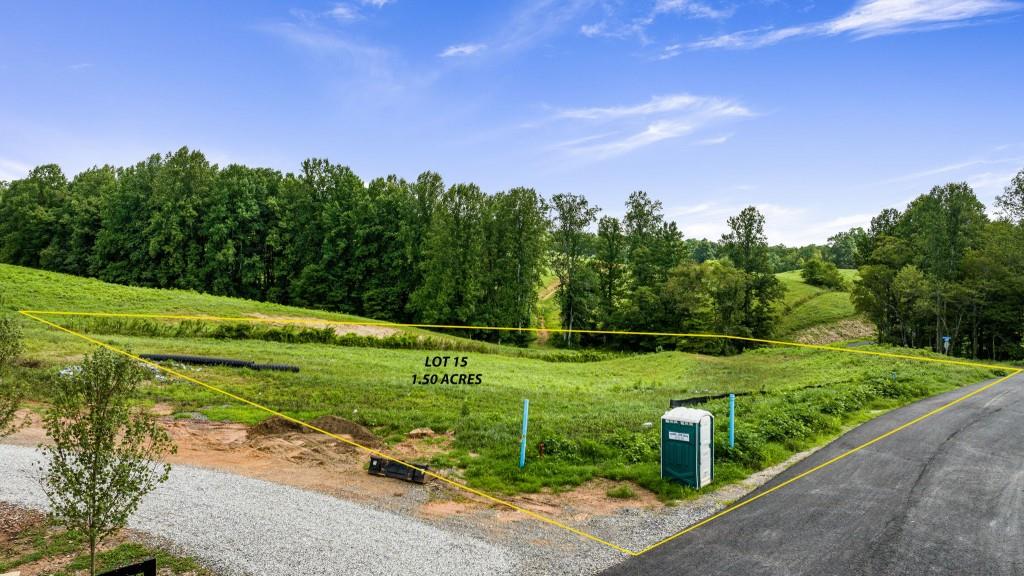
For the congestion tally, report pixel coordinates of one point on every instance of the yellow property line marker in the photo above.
(34, 315)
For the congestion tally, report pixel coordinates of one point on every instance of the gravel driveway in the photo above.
(238, 525)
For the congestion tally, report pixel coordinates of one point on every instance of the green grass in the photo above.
(623, 492)
(590, 415)
(805, 306)
(31, 289)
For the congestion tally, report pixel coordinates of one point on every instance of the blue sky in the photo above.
(820, 113)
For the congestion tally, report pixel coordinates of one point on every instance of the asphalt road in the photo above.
(945, 496)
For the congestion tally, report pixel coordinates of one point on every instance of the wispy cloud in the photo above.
(12, 169)
(715, 141)
(377, 3)
(659, 119)
(461, 50)
(789, 225)
(343, 12)
(870, 18)
(655, 105)
(637, 26)
(81, 66)
(537, 20)
(693, 9)
(368, 67)
(952, 169)
(670, 51)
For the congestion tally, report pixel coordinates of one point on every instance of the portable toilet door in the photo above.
(687, 450)
(707, 451)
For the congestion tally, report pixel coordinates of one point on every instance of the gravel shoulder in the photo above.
(242, 526)
(239, 525)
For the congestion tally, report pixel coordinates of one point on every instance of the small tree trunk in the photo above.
(92, 555)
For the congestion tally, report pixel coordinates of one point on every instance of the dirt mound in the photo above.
(275, 425)
(335, 425)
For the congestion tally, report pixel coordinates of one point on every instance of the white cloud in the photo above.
(658, 119)
(637, 26)
(369, 69)
(871, 18)
(462, 50)
(670, 51)
(656, 105)
(654, 132)
(81, 66)
(956, 168)
(692, 9)
(377, 3)
(12, 169)
(792, 226)
(715, 140)
(343, 12)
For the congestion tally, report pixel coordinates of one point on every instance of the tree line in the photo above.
(389, 248)
(942, 269)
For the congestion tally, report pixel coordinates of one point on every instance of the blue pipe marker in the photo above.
(732, 420)
(522, 443)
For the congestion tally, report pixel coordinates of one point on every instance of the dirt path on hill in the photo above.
(320, 323)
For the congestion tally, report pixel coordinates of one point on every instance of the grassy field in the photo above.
(593, 417)
(806, 306)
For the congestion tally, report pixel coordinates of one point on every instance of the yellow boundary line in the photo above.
(34, 315)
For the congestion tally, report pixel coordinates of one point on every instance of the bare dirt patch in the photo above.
(333, 424)
(284, 452)
(850, 329)
(339, 329)
(23, 533)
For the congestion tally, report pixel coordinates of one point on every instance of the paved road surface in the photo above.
(945, 496)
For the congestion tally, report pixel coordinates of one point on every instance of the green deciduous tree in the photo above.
(181, 194)
(238, 224)
(11, 392)
(103, 459)
(747, 248)
(455, 246)
(1011, 201)
(573, 214)
(843, 248)
(818, 272)
(610, 266)
(516, 241)
(30, 216)
(121, 252)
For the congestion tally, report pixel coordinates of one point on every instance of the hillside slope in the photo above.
(815, 315)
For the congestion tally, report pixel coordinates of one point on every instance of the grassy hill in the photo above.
(807, 314)
(591, 416)
(810, 310)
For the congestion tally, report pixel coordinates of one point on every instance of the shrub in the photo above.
(818, 272)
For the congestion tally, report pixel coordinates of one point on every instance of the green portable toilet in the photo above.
(687, 447)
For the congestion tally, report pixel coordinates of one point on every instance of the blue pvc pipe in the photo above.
(732, 420)
(522, 443)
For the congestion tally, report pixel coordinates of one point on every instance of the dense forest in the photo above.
(425, 252)
(942, 268)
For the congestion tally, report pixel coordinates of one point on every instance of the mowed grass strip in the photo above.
(31, 289)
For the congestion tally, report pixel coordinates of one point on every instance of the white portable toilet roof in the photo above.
(686, 415)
